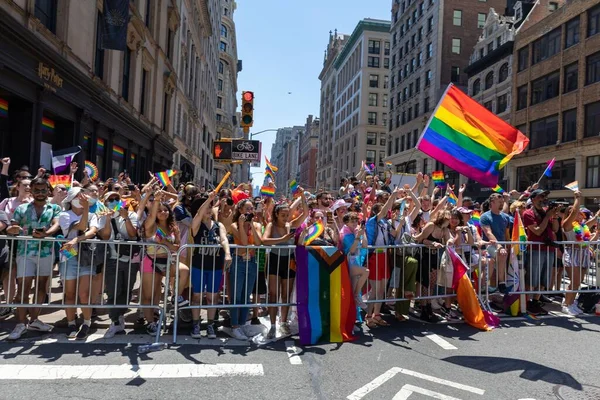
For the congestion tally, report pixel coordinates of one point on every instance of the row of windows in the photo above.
(374, 62)
(408, 115)
(545, 132)
(550, 44)
(489, 80)
(548, 86)
(375, 47)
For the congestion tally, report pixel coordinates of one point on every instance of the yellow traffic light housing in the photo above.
(247, 110)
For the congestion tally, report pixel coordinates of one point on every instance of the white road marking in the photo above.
(292, 352)
(407, 390)
(127, 371)
(443, 343)
(389, 374)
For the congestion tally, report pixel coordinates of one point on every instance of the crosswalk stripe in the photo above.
(444, 344)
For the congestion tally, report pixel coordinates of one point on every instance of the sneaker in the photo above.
(94, 313)
(272, 333)
(284, 328)
(210, 332)
(545, 299)
(569, 310)
(5, 312)
(83, 332)
(360, 302)
(579, 310)
(238, 334)
(19, 330)
(535, 308)
(72, 332)
(38, 325)
(255, 321)
(196, 334)
(181, 302)
(152, 328)
(575, 309)
(113, 329)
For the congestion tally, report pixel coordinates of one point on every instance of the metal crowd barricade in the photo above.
(108, 257)
(239, 287)
(533, 268)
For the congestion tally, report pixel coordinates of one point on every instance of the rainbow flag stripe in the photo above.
(267, 191)
(269, 165)
(100, 145)
(60, 180)
(48, 125)
(468, 138)
(294, 188)
(498, 189)
(438, 178)
(163, 178)
(118, 152)
(326, 307)
(3, 108)
(475, 216)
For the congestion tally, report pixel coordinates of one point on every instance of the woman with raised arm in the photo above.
(576, 256)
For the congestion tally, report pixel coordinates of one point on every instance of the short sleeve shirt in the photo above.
(499, 223)
(26, 217)
(68, 218)
(532, 218)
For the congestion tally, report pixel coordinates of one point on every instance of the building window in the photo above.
(546, 46)
(220, 85)
(373, 62)
(503, 74)
(418, 85)
(372, 118)
(545, 88)
(592, 177)
(489, 105)
(572, 33)
(456, 45)
(221, 67)
(594, 21)
(476, 87)
(552, 6)
(501, 103)
(385, 100)
(429, 50)
(371, 139)
(523, 58)
(571, 77)
(374, 47)
(457, 17)
(45, 11)
(148, 18)
(489, 80)
(428, 77)
(374, 81)
(481, 17)
(592, 73)
(386, 81)
(373, 99)
(430, 25)
(521, 97)
(455, 74)
(426, 105)
(219, 117)
(126, 74)
(219, 102)
(99, 58)
(370, 156)
(386, 48)
(223, 46)
(563, 173)
(569, 132)
(223, 31)
(165, 112)
(592, 119)
(144, 91)
(544, 132)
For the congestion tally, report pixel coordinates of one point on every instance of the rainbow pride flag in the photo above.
(574, 186)
(326, 308)
(498, 189)
(60, 180)
(452, 199)
(118, 152)
(267, 191)
(438, 178)
(163, 178)
(100, 145)
(314, 232)
(294, 188)
(518, 235)
(269, 173)
(269, 165)
(48, 125)
(468, 138)
(3, 108)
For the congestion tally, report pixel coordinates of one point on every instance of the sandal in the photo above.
(401, 318)
(371, 323)
(380, 321)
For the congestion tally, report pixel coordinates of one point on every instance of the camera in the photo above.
(229, 201)
(249, 216)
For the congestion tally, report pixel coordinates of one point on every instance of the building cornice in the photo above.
(366, 25)
(207, 27)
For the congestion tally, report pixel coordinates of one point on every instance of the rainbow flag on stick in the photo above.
(574, 186)
(438, 178)
(468, 138)
(498, 189)
(294, 188)
(267, 191)
(165, 176)
(271, 166)
(518, 234)
(269, 173)
(326, 308)
(452, 199)
(60, 180)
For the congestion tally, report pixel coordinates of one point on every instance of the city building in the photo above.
(284, 155)
(557, 100)
(197, 58)
(227, 88)
(309, 139)
(60, 88)
(328, 78)
(431, 46)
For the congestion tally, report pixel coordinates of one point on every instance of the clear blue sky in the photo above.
(281, 44)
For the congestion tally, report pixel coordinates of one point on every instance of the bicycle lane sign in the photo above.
(245, 150)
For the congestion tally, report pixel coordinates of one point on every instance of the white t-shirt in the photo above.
(66, 219)
(405, 228)
(122, 228)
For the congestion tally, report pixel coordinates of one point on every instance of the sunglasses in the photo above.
(62, 189)
(23, 177)
(38, 191)
(113, 199)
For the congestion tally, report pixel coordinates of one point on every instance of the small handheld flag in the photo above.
(475, 216)
(498, 189)
(438, 178)
(163, 178)
(574, 186)
(267, 191)
(548, 171)
(68, 253)
(269, 173)
(294, 188)
(452, 199)
(60, 180)
(271, 166)
(314, 232)
(518, 234)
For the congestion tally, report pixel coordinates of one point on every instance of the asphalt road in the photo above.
(557, 358)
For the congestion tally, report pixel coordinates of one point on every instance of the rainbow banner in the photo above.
(267, 191)
(100, 145)
(60, 180)
(326, 307)
(48, 125)
(438, 178)
(269, 165)
(468, 138)
(118, 152)
(3, 108)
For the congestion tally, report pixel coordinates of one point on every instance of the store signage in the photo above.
(52, 80)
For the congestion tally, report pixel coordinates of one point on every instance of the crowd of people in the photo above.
(393, 237)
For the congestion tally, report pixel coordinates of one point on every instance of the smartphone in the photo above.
(293, 230)
(329, 215)
(131, 187)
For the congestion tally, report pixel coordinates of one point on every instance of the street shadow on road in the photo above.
(531, 371)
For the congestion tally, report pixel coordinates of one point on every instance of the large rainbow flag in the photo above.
(326, 308)
(468, 138)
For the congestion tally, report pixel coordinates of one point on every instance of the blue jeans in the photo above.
(242, 278)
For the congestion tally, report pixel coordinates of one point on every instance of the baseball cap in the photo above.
(538, 192)
(464, 210)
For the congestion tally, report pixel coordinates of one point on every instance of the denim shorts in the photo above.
(70, 269)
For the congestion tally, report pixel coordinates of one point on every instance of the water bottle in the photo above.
(148, 348)
(598, 309)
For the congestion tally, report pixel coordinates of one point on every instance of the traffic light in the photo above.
(247, 110)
